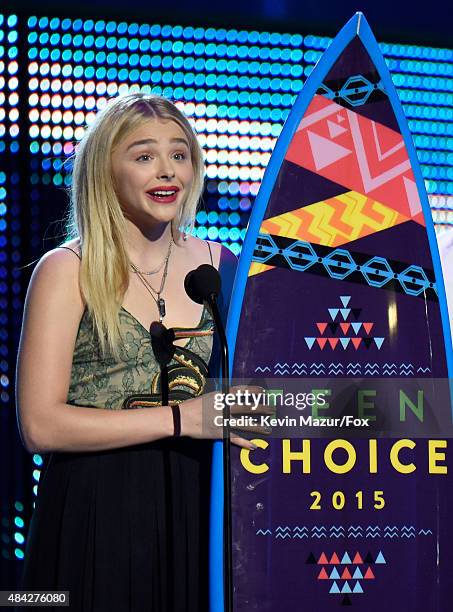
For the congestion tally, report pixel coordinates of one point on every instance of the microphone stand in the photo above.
(227, 523)
(204, 285)
(163, 348)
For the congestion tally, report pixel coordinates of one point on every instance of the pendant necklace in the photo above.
(160, 302)
(159, 268)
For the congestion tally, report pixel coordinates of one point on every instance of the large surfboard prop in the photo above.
(339, 276)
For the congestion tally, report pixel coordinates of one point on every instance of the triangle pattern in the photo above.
(321, 327)
(334, 574)
(345, 327)
(357, 559)
(334, 588)
(346, 588)
(356, 327)
(380, 558)
(323, 574)
(369, 574)
(346, 574)
(345, 312)
(368, 327)
(357, 573)
(322, 559)
(346, 558)
(310, 342)
(333, 312)
(335, 129)
(327, 337)
(324, 151)
(357, 588)
(345, 342)
(334, 559)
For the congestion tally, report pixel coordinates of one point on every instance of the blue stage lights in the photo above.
(238, 87)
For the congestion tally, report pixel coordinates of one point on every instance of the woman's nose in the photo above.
(165, 170)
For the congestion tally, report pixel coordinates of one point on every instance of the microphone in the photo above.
(203, 284)
(163, 348)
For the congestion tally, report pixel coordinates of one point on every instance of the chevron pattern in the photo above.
(335, 221)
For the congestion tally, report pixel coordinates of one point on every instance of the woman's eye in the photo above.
(179, 156)
(144, 157)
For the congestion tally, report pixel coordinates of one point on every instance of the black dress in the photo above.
(127, 529)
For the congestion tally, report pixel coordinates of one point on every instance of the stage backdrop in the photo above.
(238, 88)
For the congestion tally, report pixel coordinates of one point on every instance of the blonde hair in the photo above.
(95, 215)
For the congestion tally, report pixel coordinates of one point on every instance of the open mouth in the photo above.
(163, 195)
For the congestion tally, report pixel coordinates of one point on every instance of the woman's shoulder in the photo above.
(58, 270)
(203, 249)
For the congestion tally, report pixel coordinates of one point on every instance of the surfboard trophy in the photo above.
(339, 279)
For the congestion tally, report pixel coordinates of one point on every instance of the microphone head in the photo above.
(201, 284)
(162, 342)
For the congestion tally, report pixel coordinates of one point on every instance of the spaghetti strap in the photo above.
(69, 249)
(210, 252)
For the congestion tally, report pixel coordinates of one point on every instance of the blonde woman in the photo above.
(122, 511)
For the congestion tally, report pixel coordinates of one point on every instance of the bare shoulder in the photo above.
(200, 251)
(56, 276)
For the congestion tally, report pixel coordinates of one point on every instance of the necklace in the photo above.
(160, 302)
(159, 268)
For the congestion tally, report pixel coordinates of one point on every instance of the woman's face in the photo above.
(152, 172)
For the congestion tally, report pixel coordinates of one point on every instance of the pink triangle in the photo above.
(367, 327)
(335, 129)
(356, 342)
(334, 559)
(344, 327)
(324, 151)
(333, 342)
(357, 559)
(321, 327)
(346, 575)
(321, 342)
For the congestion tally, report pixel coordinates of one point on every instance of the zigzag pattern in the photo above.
(340, 369)
(335, 221)
(344, 531)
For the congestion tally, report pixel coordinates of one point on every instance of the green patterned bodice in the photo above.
(115, 383)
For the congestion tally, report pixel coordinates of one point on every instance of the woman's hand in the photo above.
(202, 417)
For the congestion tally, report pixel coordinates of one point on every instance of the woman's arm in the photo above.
(52, 314)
